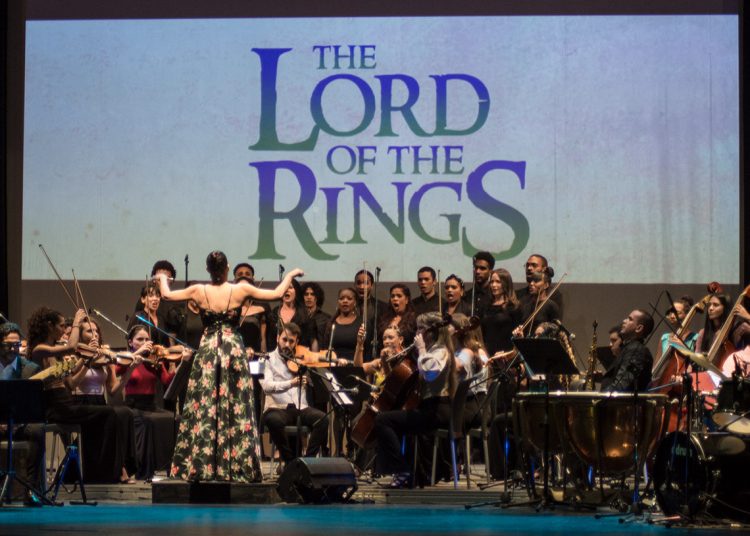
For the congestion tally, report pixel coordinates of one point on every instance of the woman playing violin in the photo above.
(151, 299)
(154, 426)
(471, 358)
(539, 284)
(98, 423)
(89, 385)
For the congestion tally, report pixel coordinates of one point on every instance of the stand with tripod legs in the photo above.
(21, 402)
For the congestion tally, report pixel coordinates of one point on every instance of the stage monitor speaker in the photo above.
(317, 481)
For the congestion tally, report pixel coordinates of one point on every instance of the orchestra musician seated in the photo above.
(13, 366)
(437, 373)
(631, 370)
(154, 426)
(286, 398)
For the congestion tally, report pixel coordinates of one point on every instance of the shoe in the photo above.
(400, 481)
(31, 500)
(280, 468)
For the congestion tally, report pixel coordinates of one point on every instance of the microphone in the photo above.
(562, 327)
(372, 388)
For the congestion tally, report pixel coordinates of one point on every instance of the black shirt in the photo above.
(549, 311)
(632, 369)
(498, 323)
(426, 306)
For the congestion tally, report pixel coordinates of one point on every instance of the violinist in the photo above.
(400, 313)
(98, 423)
(471, 360)
(151, 301)
(169, 313)
(631, 370)
(437, 372)
(89, 386)
(154, 426)
(454, 296)
(538, 263)
(718, 311)
(286, 399)
(538, 289)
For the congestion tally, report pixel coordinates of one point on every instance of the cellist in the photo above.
(737, 336)
(437, 373)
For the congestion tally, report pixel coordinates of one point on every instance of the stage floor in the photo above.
(298, 520)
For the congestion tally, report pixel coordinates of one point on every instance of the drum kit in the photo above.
(700, 471)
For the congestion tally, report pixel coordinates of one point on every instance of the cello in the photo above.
(398, 391)
(671, 365)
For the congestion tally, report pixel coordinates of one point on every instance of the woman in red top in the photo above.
(154, 427)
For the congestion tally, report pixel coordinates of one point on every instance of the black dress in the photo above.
(498, 323)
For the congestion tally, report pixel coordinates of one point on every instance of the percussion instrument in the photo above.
(598, 427)
(703, 474)
(601, 427)
(732, 412)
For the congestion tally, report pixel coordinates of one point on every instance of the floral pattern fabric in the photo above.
(217, 438)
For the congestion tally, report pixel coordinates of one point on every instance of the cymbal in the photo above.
(700, 360)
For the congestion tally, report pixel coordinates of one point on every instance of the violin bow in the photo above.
(98, 313)
(79, 293)
(157, 328)
(538, 308)
(440, 294)
(59, 279)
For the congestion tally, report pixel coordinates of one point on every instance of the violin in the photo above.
(305, 357)
(446, 321)
(98, 357)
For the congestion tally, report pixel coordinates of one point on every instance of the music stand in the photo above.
(21, 401)
(545, 356)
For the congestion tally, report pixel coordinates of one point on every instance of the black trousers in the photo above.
(98, 431)
(391, 426)
(276, 419)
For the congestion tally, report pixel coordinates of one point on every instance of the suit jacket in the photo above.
(26, 369)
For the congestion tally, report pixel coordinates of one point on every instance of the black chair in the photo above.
(455, 432)
(481, 433)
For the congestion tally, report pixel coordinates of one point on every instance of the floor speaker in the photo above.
(317, 481)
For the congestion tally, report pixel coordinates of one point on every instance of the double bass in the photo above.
(671, 365)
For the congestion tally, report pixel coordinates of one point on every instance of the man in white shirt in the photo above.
(284, 402)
